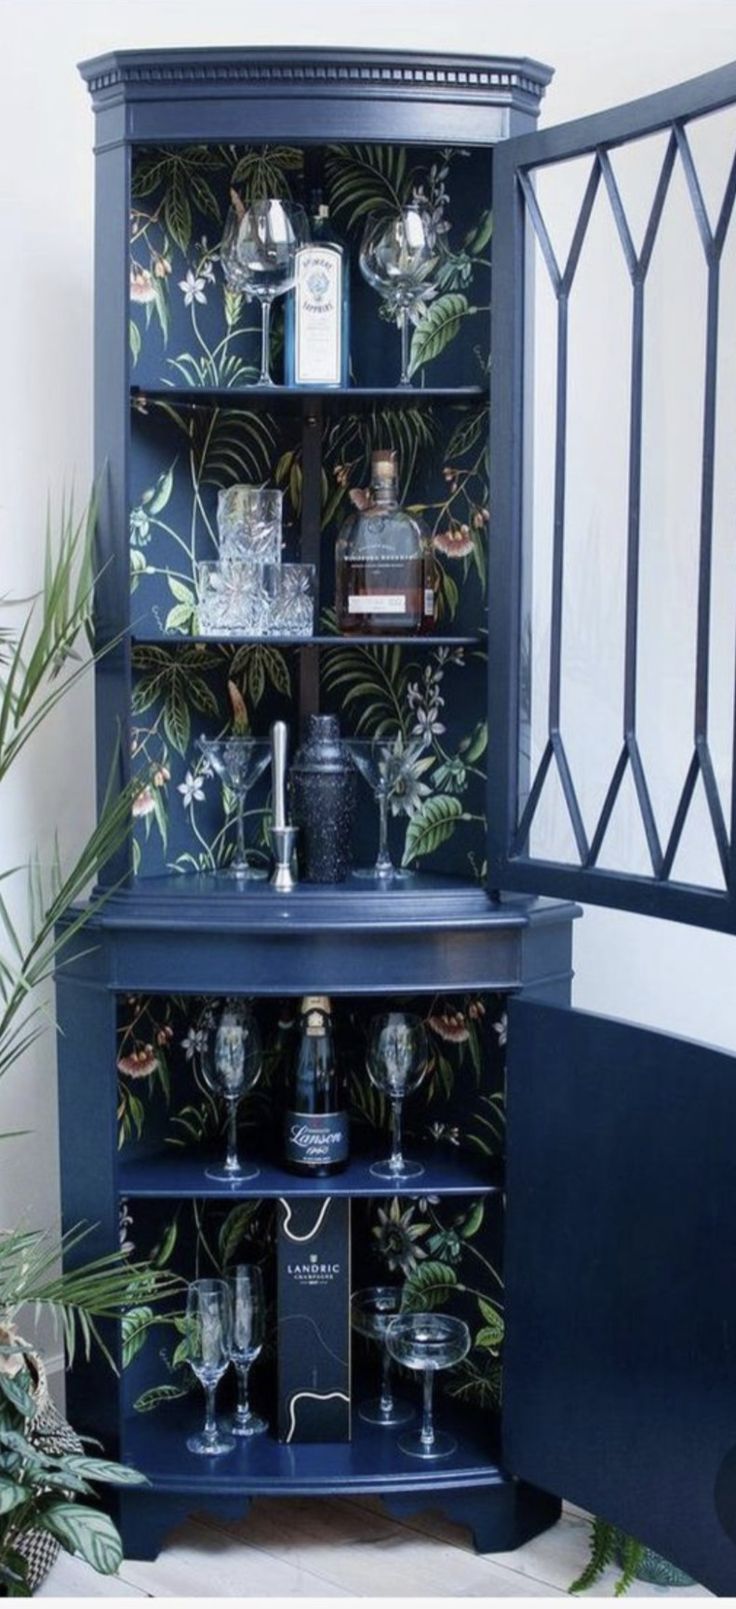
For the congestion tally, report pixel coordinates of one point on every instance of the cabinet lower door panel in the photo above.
(620, 1363)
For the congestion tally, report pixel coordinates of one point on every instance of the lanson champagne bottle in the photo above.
(317, 310)
(316, 1123)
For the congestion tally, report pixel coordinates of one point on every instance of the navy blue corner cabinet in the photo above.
(593, 1207)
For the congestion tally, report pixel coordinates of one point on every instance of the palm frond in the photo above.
(364, 179)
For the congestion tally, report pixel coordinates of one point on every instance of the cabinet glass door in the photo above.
(620, 1355)
(613, 565)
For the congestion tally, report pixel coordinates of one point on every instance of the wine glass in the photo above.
(238, 762)
(428, 1342)
(397, 255)
(249, 1322)
(258, 255)
(207, 1334)
(231, 1064)
(385, 764)
(398, 1056)
(371, 1311)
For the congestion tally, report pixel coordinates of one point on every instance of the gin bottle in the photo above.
(317, 310)
(380, 562)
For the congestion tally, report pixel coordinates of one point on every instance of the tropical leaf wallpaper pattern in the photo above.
(187, 332)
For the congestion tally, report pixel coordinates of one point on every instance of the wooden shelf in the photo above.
(172, 1174)
(172, 639)
(155, 1444)
(342, 399)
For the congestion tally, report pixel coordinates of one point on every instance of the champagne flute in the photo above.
(249, 1322)
(398, 1057)
(207, 1336)
(258, 255)
(397, 255)
(428, 1342)
(231, 1065)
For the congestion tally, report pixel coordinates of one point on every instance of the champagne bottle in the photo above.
(316, 1123)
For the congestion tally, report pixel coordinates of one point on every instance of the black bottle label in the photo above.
(316, 1140)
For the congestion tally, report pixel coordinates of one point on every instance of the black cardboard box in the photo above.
(314, 1319)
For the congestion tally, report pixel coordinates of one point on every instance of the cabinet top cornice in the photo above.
(139, 74)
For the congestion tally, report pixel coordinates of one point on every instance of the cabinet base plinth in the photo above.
(499, 1518)
(145, 1518)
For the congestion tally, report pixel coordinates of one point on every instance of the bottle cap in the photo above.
(383, 464)
(315, 1002)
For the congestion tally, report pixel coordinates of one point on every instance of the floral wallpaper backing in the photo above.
(444, 1253)
(187, 332)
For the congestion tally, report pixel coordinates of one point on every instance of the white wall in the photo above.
(603, 53)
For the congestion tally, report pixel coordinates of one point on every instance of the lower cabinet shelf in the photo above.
(446, 1173)
(372, 1462)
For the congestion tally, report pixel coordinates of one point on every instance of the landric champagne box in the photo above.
(314, 1319)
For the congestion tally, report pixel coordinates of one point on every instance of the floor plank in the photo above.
(72, 1578)
(200, 1561)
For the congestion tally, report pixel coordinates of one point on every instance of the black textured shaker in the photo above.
(323, 790)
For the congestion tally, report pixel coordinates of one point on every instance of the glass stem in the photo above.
(397, 1158)
(427, 1431)
(243, 1370)
(387, 1401)
(210, 1422)
(240, 855)
(264, 377)
(404, 347)
(384, 864)
(231, 1161)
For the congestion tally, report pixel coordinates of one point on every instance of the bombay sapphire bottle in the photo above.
(380, 562)
(316, 351)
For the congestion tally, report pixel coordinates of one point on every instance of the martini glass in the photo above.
(385, 764)
(238, 762)
(428, 1342)
(371, 1311)
(231, 1064)
(397, 255)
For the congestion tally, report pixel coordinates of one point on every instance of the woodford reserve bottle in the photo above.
(316, 1122)
(380, 562)
(316, 349)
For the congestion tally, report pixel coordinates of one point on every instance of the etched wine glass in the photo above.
(258, 256)
(238, 762)
(397, 1060)
(371, 1311)
(397, 255)
(385, 764)
(248, 1333)
(207, 1335)
(231, 1060)
(428, 1342)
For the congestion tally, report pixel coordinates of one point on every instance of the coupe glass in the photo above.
(207, 1334)
(398, 1056)
(385, 764)
(289, 592)
(397, 255)
(371, 1311)
(249, 1322)
(258, 255)
(428, 1342)
(230, 597)
(231, 1063)
(238, 762)
(249, 520)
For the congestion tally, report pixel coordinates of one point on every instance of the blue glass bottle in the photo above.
(317, 320)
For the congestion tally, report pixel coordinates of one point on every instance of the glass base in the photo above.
(384, 875)
(223, 1175)
(372, 1413)
(407, 1170)
(442, 1446)
(250, 1425)
(245, 873)
(210, 1449)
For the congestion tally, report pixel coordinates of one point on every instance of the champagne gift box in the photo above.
(314, 1319)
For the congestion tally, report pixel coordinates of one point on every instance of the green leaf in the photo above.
(136, 342)
(164, 487)
(156, 1394)
(177, 211)
(476, 745)
(202, 697)
(233, 1229)
(182, 593)
(488, 1311)
(433, 824)
(10, 1494)
(180, 618)
(15, 1388)
(473, 1221)
(429, 1286)
(177, 720)
(491, 1336)
(135, 1326)
(85, 1532)
(104, 1469)
(439, 326)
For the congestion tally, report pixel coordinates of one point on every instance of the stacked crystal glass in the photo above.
(248, 591)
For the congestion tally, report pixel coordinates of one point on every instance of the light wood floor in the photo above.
(342, 1548)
